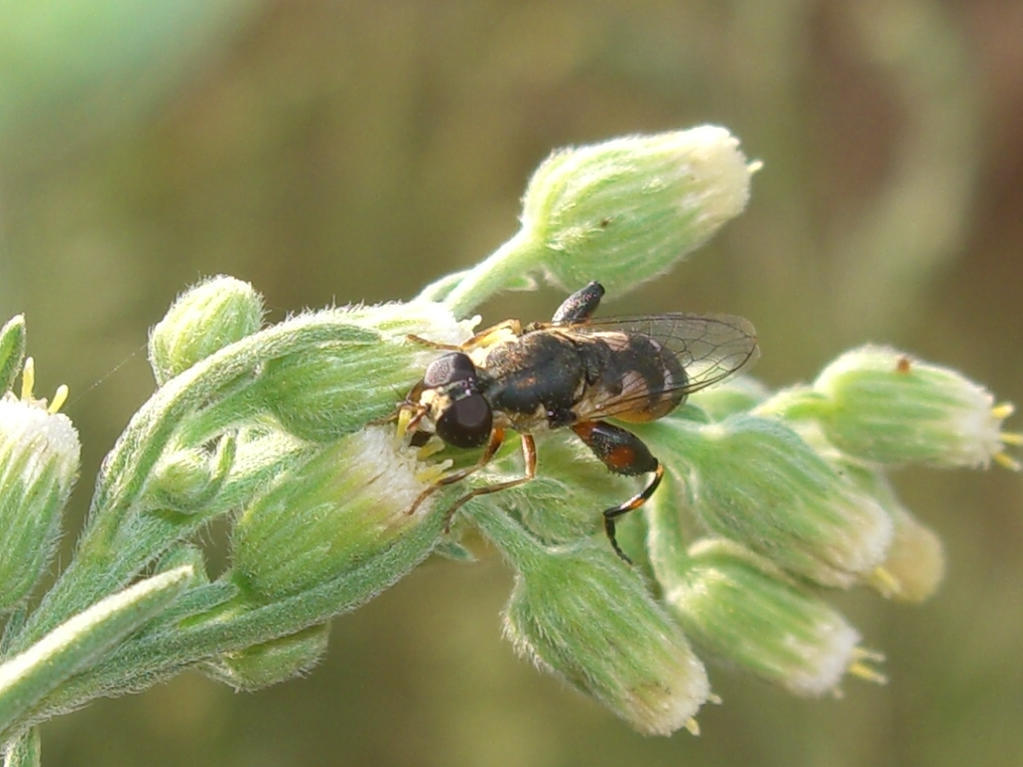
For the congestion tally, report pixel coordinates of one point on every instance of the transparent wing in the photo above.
(709, 347)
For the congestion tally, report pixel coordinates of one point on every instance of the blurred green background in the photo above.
(338, 152)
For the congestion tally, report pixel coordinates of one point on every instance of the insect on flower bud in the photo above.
(884, 406)
(754, 480)
(332, 514)
(271, 662)
(744, 612)
(339, 386)
(571, 482)
(12, 351)
(204, 319)
(579, 612)
(39, 458)
(625, 210)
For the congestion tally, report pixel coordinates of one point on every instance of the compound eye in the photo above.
(448, 369)
(466, 422)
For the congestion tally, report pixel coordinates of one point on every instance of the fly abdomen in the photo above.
(644, 372)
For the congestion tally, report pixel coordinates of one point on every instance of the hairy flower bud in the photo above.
(331, 515)
(579, 612)
(619, 212)
(187, 480)
(180, 478)
(625, 210)
(39, 457)
(204, 319)
(754, 480)
(271, 662)
(744, 612)
(914, 565)
(884, 406)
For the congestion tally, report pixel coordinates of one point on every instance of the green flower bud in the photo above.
(620, 212)
(204, 319)
(754, 480)
(579, 612)
(271, 662)
(632, 206)
(179, 479)
(330, 516)
(187, 480)
(39, 458)
(12, 351)
(882, 405)
(914, 565)
(744, 612)
(341, 385)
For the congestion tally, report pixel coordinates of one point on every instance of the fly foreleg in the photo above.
(493, 445)
(623, 453)
(579, 306)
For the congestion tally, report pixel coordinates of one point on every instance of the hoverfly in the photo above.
(572, 372)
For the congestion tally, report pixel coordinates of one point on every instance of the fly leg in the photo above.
(528, 457)
(623, 453)
(432, 344)
(580, 305)
(488, 337)
(496, 440)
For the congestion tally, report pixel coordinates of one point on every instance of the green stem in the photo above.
(179, 641)
(438, 290)
(234, 408)
(519, 547)
(497, 272)
(28, 677)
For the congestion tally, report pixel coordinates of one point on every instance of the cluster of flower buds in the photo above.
(325, 501)
(768, 500)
